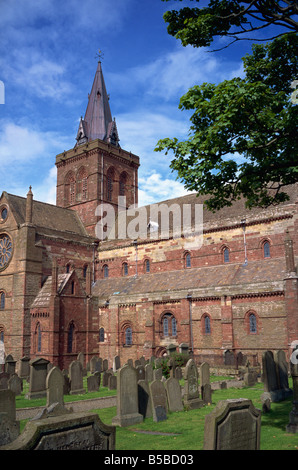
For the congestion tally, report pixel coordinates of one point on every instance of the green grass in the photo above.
(186, 428)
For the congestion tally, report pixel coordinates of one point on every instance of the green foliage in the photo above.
(243, 133)
(232, 19)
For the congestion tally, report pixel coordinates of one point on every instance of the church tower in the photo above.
(97, 170)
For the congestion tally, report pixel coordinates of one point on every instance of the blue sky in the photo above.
(47, 64)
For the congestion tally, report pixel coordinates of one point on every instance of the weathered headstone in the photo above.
(206, 392)
(112, 382)
(233, 425)
(274, 376)
(178, 373)
(74, 431)
(116, 363)
(145, 408)
(105, 365)
(9, 427)
(141, 372)
(157, 374)
(174, 396)
(191, 392)
(105, 377)
(10, 365)
(38, 375)
(92, 383)
(76, 378)
(158, 398)
(54, 386)
(127, 398)
(24, 367)
(15, 384)
(94, 364)
(204, 373)
(292, 427)
(148, 372)
(4, 378)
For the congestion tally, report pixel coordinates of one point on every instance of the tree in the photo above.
(243, 134)
(237, 20)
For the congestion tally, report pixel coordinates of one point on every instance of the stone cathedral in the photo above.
(228, 292)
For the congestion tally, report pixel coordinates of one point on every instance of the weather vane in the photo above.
(99, 55)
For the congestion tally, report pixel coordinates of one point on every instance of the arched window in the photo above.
(70, 338)
(110, 182)
(1, 335)
(128, 336)
(82, 185)
(122, 184)
(70, 188)
(125, 269)
(169, 325)
(252, 323)
(85, 270)
(2, 300)
(226, 255)
(266, 249)
(147, 265)
(187, 259)
(38, 338)
(105, 270)
(101, 335)
(207, 325)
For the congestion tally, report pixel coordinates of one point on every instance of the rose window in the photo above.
(5, 250)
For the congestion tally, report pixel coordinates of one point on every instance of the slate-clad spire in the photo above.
(98, 122)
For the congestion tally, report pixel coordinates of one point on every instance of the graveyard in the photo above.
(137, 407)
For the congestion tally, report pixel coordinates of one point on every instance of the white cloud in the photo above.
(155, 188)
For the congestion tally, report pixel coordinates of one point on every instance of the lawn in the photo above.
(185, 430)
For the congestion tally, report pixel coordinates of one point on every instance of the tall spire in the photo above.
(98, 122)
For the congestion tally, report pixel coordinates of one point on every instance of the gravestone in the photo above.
(292, 427)
(95, 364)
(92, 383)
(15, 384)
(191, 392)
(10, 365)
(127, 398)
(233, 425)
(38, 375)
(105, 377)
(74, 431)
(9, 427)
(184, 348)
(274, 371)
(55, 386)
(66, 386)
(76, 378)
(158, 398)
(112, 382)
(178, 373)
(148, 372)
(157, 374)
(116, 363)
(206, 392)
(204, 373)
(141, 372)
(81, 359)
(105, 365)
(173, 390)
(145, 408)
(4, 378)
(24, 366)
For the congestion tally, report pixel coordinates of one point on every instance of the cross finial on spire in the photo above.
(99, 55)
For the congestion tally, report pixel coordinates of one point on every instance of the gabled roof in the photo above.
(255, 276)
(42, 299)
(46, 217)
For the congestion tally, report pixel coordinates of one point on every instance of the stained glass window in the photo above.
(5, 250)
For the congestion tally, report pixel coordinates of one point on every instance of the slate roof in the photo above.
(225, 217)
(42, 299)
(47, 216)
(237, 275)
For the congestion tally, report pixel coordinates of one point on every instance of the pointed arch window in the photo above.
(101, 335)
(147, 266)
(1, 335)
(122, 184)
(105, 270)
(110, 183)
(2, 300)
(226, 255)
(207, 325)
(125, 269)
(38, 338)
(187, 259)
(266, 249)
(70, 188)
(82, 186)
(252, 323)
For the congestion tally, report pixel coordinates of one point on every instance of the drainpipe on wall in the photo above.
(189, 298)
